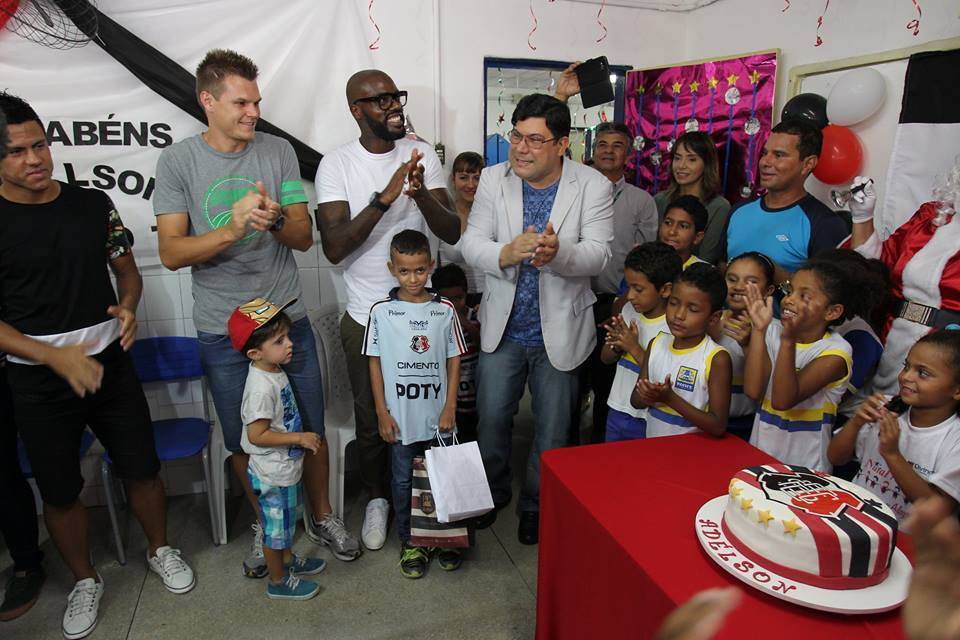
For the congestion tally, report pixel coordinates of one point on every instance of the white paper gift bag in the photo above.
(458, 481)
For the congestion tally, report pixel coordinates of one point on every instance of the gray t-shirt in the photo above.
(192, 177)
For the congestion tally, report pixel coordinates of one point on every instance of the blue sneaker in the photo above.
(306, 566)
(292, 588)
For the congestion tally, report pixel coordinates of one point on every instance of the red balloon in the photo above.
(7, 9)
(841, 157)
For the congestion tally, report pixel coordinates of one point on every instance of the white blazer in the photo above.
(582, 217)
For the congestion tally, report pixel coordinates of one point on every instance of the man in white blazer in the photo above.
(540, 227)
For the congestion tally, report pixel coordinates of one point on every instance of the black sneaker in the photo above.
(449, 559)
(22, 593)
(413, 561)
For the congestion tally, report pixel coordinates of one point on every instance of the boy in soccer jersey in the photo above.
(414, 343)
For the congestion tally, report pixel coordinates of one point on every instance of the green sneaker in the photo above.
(413, 561)
(449, 559)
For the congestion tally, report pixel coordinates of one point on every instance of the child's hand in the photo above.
(739, 328)
(309, 440)
(389, 430)
(613, 327)
(448, 419)
(870, 409)
(759, 309)
(652, 393)
(889, 434)
(628, 339)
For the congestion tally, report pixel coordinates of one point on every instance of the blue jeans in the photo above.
(401, 483)
(226, 371)
(623, 426)
(501, 377)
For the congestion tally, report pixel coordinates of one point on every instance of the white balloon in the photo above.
(857, 95)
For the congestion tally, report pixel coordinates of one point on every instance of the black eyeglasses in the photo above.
(533, 141)
(385, 100)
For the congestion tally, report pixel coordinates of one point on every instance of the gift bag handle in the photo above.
(439, 438)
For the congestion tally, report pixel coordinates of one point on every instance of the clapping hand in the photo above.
(738, 327)
(623, 337)
(889, 433)
(759, 309)
(547, 245)
(651, 393)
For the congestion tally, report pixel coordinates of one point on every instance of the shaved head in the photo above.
(358, 84)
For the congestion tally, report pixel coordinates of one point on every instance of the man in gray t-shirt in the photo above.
(230, 204)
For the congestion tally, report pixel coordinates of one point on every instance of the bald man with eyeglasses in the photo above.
(367, 191)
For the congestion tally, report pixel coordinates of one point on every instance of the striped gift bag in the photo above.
(425, 529)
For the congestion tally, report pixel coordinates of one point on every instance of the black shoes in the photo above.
(21, 594)
(529, 530)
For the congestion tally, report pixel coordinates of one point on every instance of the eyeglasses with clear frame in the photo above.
(386, 100)
(534, 141)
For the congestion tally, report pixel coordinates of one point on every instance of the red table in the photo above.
(618, 549)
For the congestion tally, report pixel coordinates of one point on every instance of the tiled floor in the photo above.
(492, 596)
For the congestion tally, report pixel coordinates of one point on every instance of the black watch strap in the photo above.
(377, 203)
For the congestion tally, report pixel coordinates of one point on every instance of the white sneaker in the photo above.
(176, 575)
(374, 531)
(83, 603)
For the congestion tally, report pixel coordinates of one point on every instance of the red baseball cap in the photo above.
(249, 317)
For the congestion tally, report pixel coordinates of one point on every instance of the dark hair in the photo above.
(947, 340)
(694, 208)
(220, 63)
(4, 140)
(656, 260)
(702, 145)
(766, 264)
(410, 242)
(811, 138)
(612, 127)
(17, 110)
(449, 276)
(540, 105)
(849, 279)
(467, 161)
(707, 278)
(264, 332)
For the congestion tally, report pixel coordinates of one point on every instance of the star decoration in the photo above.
(732, 79)
(694, 86)
(764, 517)
(791, 526)
(640, 90)
(657, 88)
(677, 85)
(713, 82)
(735, 491)
(500, 119)
(746, 504)
(755, 77)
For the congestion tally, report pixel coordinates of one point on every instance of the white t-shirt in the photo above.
(628, 370)
(689, 371)
(800, 435)
(352, 174)
(269, 396)
(934, 453)
(740, 402)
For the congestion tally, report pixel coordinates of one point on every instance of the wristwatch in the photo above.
(377, 203)
(278, 223)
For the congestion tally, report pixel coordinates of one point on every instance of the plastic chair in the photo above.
(162, 360)
(338, 416)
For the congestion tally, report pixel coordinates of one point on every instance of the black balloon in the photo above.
(806, 106)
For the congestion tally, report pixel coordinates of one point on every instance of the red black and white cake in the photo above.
(809, 526)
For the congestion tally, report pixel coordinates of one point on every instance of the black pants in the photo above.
(597, 376)
(18, 517)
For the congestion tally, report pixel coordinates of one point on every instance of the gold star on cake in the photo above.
(764, 517)
(791, 526)
(732, 79)
(746, 504)
(677, 85)
(694, 86)
(733, 489)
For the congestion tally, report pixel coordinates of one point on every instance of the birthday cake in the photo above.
(809, 526)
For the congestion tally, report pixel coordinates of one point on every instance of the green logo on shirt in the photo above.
(219, 199)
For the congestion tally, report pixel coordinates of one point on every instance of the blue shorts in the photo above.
(623, 426)
(226, 372)
(280, 509)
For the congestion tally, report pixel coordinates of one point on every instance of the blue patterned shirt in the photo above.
(523, 327)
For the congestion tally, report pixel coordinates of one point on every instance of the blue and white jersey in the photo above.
(414, 340)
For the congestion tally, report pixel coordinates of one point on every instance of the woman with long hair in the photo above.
(694, 170)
